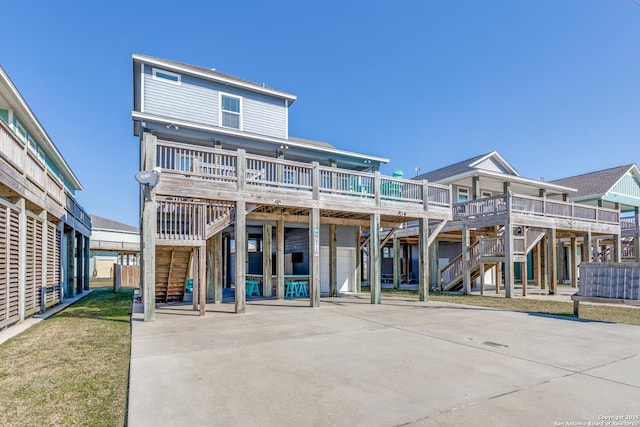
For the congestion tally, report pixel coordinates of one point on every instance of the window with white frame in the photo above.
(486, 194)
(230, 111)
(166, 76)
(463, 194)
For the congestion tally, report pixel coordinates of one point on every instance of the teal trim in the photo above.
(4, 115)
(623, 200)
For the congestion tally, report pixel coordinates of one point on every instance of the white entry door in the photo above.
(345, 266)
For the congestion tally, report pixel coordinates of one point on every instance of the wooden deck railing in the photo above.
(222, 166)
(628, 223)
(28, 163)
(180, 220)
(537, 206)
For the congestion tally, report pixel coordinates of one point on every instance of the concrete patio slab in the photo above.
(400, 363)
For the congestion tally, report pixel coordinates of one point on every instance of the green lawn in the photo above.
(607, 313)
(71, 369)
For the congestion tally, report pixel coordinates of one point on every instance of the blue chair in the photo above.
(253, 287)
(302, 289)
(291, 289)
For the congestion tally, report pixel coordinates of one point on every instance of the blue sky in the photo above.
(553, 85)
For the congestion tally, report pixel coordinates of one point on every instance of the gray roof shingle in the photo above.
(99, 223)
(451, 170)
(594, 183)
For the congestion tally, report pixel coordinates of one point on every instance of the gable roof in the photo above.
(595, 184)
(466, 166)
(99, 223)
(212, 74)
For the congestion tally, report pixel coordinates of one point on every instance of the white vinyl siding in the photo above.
(197, 100)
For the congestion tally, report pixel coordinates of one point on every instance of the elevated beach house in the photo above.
(231, 199)
(44, 237)
(616, 188)
(501, 220)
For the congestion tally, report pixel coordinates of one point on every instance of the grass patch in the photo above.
(71, 369)
(606, 313)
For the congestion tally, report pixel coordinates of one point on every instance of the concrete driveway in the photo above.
(350, 363)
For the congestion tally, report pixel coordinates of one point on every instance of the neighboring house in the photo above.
(45, 233)
(502, 218)
(617, 188)
(240, 201)
(112, 243)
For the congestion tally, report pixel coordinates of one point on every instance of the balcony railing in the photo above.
(536, 206)
(29, 164)
(628, 223)
(222, 166)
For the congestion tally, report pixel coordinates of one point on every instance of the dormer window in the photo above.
(230, 111)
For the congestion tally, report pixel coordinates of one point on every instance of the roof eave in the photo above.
(136, 115)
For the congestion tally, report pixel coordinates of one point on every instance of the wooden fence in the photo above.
(610, 280)
(126, 275)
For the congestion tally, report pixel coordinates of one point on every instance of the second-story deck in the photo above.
(27, 175)
(535, 212)
(199, 184)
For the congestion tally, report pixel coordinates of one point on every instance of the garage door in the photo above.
(345, 267)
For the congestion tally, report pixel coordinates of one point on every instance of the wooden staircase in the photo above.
(172, 270)
(452, 274)
(218, 216)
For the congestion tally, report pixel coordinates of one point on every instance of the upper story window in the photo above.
(230, 111)
(21, 131)
(167, 76)
(463, 194)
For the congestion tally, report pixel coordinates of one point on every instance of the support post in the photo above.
(617, 248)
(267, 249)
(333, 261)
(636, 235)
(434, 254)
(397, 275)
(423, 243)
(280, 259)
(210, 267)
(587, 255)
(374, 258)
(574, 262)
(87, 273)
(553, 261)
(358, 262)
(509, 273)
(482, 278)
(202, 278)
(218, 268)
(149, 230)
(79, 263)
(314, 257)
(466, 261)
(538, 265)
(523, 276)
(241, 256)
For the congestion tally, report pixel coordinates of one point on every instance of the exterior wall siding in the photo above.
(197, 100)
(628, 186)
(491, 165)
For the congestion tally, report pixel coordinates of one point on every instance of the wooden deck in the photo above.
(534, 212)
(199, 185)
